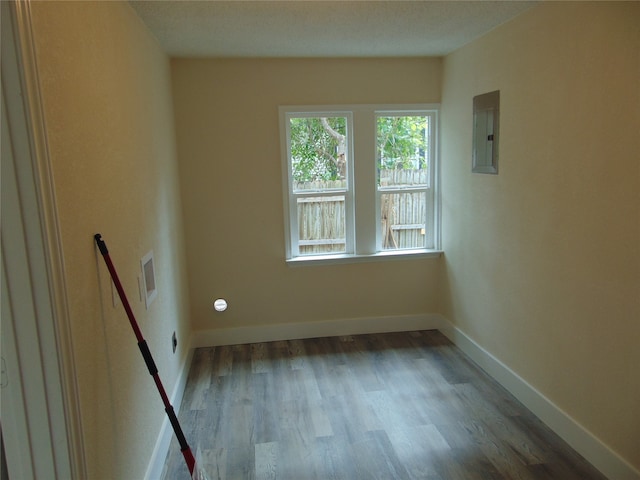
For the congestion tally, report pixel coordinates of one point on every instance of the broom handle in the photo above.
(146, 354)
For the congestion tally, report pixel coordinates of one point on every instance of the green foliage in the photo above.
(319, 153)
(314, 150)
(402, 142)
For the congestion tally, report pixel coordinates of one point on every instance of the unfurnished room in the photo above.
(320, 240)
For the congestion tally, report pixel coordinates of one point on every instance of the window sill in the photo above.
(308, 260)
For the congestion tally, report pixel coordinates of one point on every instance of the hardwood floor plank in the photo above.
(213, 462)
(416, 447)
(375, 458)
(266, 460)
(465, 464)
(201, 378)
(361, 361)
(240, 465)
(517, 439)
(390, 418)
(321, 422)
(265, 423)
(350, 417)
(297, 355)
(222, 360)
(336, 461)
(380, 406)
(259, 358)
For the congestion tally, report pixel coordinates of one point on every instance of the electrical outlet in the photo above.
(174, 342)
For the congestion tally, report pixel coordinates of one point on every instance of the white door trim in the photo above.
(47, 358)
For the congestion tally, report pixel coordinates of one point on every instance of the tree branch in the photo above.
(331, 131)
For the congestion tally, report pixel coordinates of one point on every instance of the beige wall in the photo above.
(542, 262)
(230, 166)
(107, 100)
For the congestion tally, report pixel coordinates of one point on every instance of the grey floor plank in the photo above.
(380, 406)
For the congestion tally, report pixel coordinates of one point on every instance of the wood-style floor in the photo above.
(381, 406)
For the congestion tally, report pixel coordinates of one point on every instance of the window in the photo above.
(360, 181)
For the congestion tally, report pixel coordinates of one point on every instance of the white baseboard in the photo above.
(159, 454)
(580, 439)
(329, 328)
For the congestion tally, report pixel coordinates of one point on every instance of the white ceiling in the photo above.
(304, 28)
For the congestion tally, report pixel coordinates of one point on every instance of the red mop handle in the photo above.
(146, 354)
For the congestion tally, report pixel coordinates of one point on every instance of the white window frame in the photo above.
(362, 195)
(292, 196)
(429, 190)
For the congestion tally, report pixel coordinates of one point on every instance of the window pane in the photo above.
(321, 223)
(318, 152)
(403, 218)
(402, 153)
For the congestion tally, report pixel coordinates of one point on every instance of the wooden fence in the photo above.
(403, 178)
(321, 220)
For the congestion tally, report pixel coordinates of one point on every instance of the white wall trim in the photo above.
(26, 118)
(580, 439)
(327, 328)
(161, 449)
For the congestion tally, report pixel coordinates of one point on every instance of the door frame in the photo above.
(40, 413)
